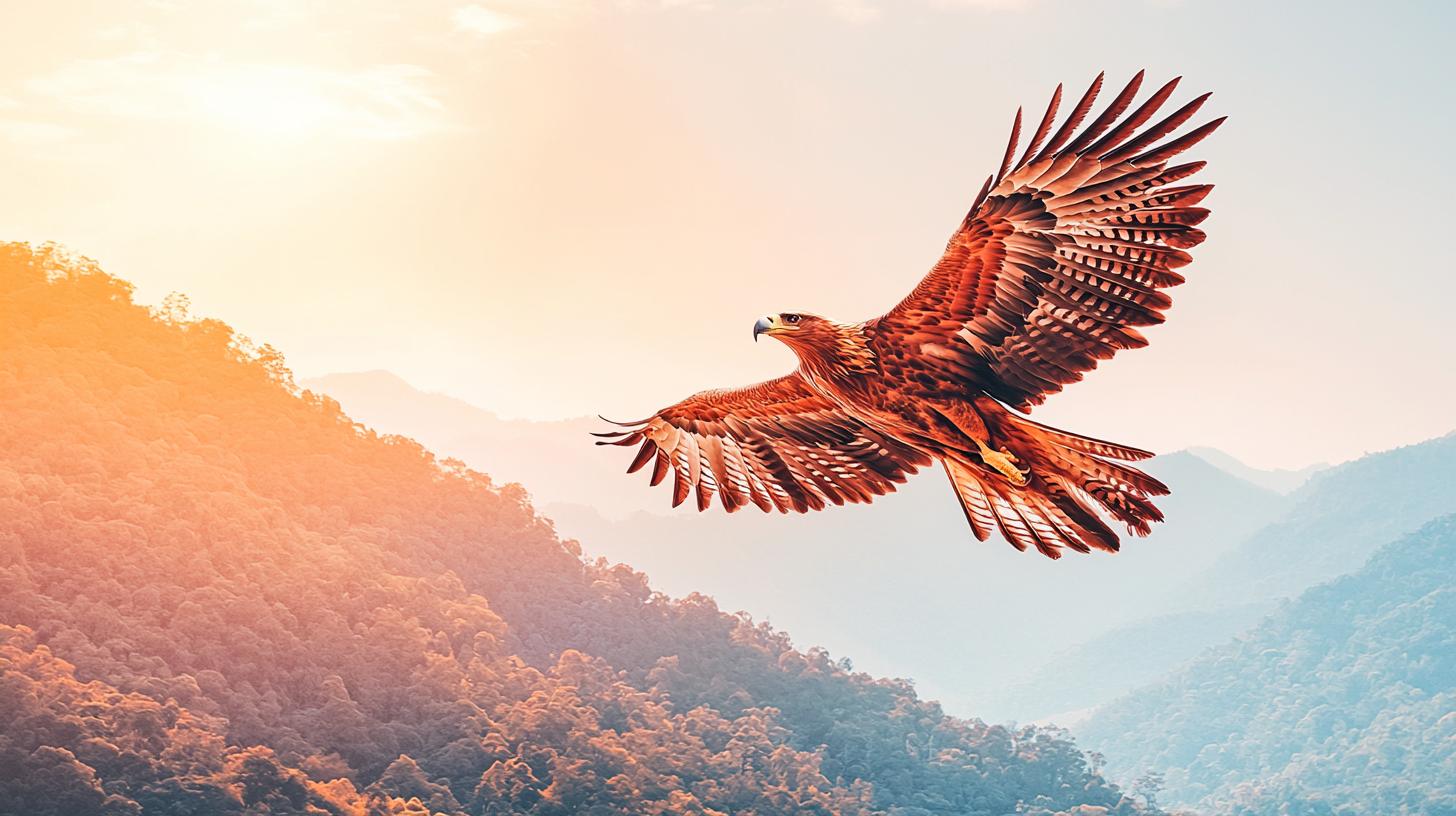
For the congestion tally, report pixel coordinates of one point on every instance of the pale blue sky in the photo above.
(562, 208)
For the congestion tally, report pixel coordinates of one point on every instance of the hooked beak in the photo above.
(763, 325)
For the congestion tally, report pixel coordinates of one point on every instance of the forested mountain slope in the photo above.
(1344, 702)
(220, 596)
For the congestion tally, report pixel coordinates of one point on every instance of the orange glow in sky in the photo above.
(562, 208)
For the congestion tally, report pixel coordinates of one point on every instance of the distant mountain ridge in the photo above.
(1335, 521)
(1279, 480)
(555, 460)
(1344, 701)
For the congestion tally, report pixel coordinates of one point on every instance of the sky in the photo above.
(564, 207)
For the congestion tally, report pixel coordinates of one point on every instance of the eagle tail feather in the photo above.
(1071, 478)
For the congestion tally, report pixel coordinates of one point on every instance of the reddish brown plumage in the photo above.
(1063, 255)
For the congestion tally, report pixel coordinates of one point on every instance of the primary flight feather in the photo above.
(1064, 253)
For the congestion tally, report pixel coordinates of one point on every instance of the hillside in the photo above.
(1342, 702)
(220, 596)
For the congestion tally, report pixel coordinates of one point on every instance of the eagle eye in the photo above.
(791, 319)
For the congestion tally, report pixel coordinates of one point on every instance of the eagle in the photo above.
(1064, 254)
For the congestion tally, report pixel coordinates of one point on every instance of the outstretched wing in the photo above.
(1064, 253)
(777, 444)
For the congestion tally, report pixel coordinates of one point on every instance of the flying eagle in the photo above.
(1064, 253)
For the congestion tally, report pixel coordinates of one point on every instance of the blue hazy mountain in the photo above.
(1334, 522)
(1342, 702)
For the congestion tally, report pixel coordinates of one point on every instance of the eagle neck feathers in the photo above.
(844, 354)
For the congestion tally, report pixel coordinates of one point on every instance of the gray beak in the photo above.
(760, 327)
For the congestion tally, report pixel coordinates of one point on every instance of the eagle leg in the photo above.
(969, 422)
(1004, 462)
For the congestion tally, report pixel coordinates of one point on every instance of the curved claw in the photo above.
(1001, 461)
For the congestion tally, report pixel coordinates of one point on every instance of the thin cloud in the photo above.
(383, 102)
(475, 19)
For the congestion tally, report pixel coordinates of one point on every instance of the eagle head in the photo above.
(793, 328)
(817, 341)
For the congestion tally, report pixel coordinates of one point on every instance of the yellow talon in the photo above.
(1003, 462)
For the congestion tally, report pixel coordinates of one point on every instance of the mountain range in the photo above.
(222, 594)
(1334, 522)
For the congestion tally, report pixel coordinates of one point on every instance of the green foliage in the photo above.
(219, 595)
(1340, 703)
